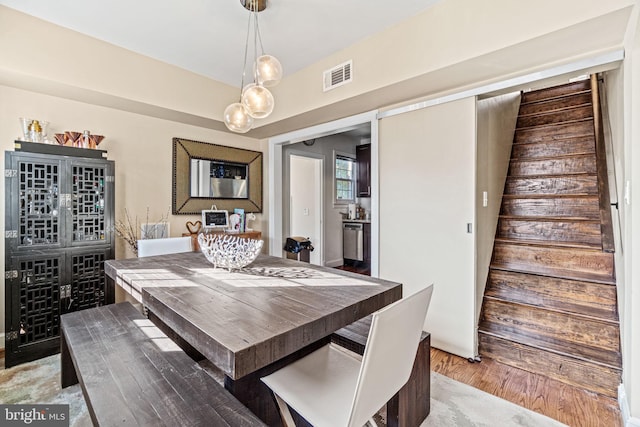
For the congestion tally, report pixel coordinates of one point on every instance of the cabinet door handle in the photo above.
(369, 191)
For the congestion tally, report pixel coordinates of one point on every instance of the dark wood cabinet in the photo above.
(58, 234)
(363, 165)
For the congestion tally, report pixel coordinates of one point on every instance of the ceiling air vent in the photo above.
(337, 76)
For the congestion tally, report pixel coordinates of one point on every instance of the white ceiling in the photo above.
(208, 36)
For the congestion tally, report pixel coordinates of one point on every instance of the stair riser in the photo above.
(579, 207)
(576, 113)
(561, 331)
(556, 91)
(557, 166)
(556, 104)
(588, 376)
(575, 146)
(578, 185)
(591, 299)
(547, 259)
(570, 232)
(554, 133)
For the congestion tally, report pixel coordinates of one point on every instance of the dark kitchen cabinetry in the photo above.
(363, 162)
(58, 232)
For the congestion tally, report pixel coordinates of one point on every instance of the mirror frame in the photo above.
(184, 150)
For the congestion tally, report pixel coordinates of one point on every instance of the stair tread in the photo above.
(583, 135)
(550, 218)
(555, 110)
(549, 303)
(604, 279)
(550, 196)
(554, 175)
(555, 98)
(589, 376)
(546, 158)
(595, 316)
(550, 158)
(549, 243)
(549, 125)
(557, 348)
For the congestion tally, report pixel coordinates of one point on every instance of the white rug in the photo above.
(453, 404)
(460, 405)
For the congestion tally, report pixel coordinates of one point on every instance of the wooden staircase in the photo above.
(550, 302)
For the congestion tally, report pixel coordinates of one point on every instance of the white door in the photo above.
(306, 202)
(427, 211)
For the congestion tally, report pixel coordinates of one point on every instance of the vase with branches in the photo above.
(130, 230)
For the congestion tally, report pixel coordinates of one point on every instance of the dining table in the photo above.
(251, 321)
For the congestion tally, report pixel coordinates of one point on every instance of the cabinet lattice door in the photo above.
(59, 232)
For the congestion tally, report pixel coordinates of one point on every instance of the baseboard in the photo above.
(334, 263)
(627, 419)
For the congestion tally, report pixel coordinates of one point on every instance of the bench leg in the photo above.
(411, 405)
(67, 370)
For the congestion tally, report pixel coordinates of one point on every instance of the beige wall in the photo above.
(496, 125)
(427, 197)
(141, 147)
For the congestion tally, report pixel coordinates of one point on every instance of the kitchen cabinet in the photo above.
(363, 165)
(59, 231)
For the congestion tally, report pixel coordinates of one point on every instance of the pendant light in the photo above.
(256, 101)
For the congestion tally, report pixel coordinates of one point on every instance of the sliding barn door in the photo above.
(427, 215)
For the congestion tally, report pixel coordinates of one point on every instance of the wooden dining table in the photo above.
(252, 321)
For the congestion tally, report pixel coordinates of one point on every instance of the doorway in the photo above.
(306, 202)
(279, 182)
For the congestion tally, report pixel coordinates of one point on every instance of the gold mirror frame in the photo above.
(184, 150)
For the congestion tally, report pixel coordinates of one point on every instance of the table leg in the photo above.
(256, 396)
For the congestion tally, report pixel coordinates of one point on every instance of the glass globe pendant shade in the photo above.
(258, 101)
(237, 118)
(246, 88)
(268, 70)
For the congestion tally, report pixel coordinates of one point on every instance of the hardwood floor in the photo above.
(359, 268)
(568, 404)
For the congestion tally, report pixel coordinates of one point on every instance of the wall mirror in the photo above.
(208, 174)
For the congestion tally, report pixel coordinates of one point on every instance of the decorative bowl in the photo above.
(227, 251)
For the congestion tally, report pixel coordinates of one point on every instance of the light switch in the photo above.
(485, 199)
(305, 211)
(627, 192)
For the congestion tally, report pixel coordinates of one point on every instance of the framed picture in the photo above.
(212, 219)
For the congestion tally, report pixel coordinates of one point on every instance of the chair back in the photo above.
(389, 354)
(169, 245)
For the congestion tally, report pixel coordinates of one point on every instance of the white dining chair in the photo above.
(333, 388)
(168, 245)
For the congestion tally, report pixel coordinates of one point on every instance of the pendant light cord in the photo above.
(246, 48)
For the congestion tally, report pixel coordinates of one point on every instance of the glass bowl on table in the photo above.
(228, 251)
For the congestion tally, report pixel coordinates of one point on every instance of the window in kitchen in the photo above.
(344, 178)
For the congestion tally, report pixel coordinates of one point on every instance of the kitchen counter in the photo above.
(359, 221)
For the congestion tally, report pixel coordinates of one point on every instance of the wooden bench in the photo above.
(131, 374)
(412, 404)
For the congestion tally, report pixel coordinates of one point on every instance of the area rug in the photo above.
(453, 404)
